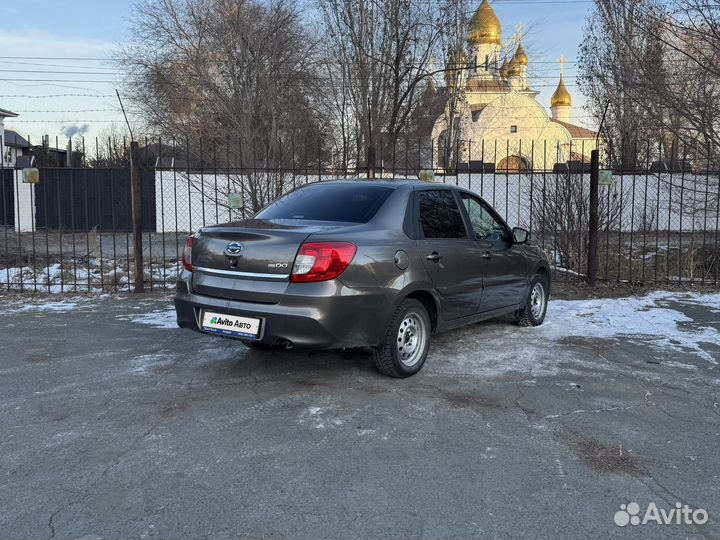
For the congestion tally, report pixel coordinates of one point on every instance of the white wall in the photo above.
(2, 141)
(24, 204)
(509, 194)
(185, 202)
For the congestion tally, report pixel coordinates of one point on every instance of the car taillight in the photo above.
(187, 253)
(321, 261)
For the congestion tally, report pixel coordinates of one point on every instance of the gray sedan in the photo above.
(379, 264)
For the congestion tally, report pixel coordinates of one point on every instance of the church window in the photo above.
(487, 62)
(513, 129)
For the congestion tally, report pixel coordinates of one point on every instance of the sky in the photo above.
(56, 70)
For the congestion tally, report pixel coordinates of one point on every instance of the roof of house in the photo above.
(13, 139)
(577, 132)
(7, 114)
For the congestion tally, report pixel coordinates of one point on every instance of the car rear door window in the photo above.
(440, 216)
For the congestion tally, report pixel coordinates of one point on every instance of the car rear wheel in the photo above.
(533, 313)
(407, 341)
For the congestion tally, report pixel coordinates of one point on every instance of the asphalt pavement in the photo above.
(116, 424)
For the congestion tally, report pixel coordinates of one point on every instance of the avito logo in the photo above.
(682, 514)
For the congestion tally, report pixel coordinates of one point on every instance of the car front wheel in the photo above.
(406, 342)
(535, 308)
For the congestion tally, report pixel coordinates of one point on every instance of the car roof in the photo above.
(384, 182)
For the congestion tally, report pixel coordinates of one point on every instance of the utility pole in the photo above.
(136, 194)
(594, 221)
(136, 200)
(594, 218)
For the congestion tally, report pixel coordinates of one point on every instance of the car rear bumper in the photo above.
(328, 315)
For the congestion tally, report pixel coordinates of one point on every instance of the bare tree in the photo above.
(456, 61)
(240, 74)
(616, 46)
(689, 90)
(385, 48)
(656, 63)
(561, 213)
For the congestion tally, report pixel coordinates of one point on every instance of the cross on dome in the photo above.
(562, 61)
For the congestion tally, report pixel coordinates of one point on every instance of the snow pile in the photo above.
(656, 319)
(93, 275)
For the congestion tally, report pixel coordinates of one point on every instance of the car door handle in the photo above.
(434, 256)
(486, 255)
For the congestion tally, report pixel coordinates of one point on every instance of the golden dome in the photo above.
(520, 56)
(561, 97)
(485, 26)
(512, 68)
(504, 70)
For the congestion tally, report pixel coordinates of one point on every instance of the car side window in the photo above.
(484, 223)
(440, 216)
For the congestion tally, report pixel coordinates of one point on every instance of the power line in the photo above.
(59, 72)
(73, 121)
(75, 58)
(59, 80)
(65, 111)
(25, 96)
(45, 64)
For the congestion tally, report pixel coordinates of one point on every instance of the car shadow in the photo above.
(280, 363)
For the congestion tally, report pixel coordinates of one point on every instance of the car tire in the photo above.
(407, 341)
(535, 308)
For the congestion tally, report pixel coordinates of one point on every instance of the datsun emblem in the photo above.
(234, 249)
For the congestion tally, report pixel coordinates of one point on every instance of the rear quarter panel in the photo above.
(374, 271)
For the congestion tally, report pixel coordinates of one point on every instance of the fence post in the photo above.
(594, 219)
(371, 161)
(136, 195)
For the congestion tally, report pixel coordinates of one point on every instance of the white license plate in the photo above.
(230, 325)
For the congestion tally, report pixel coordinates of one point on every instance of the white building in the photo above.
(7, 154)
(500, 120)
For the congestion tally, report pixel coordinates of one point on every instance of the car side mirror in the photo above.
(520, 236)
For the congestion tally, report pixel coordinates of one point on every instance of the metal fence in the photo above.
(72, 231)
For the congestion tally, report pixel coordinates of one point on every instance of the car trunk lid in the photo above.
(249, 260)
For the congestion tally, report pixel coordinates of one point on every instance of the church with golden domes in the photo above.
(499, 121)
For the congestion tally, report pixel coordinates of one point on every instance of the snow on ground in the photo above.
(164, 318)
(58, 307)
(655, 318)
(94, 275)
(655, 321)
(41, 305)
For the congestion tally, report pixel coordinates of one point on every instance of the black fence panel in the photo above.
(77, 200)
(7, 198)
(73, 230)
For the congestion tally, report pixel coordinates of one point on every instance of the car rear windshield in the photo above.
(351, 203)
